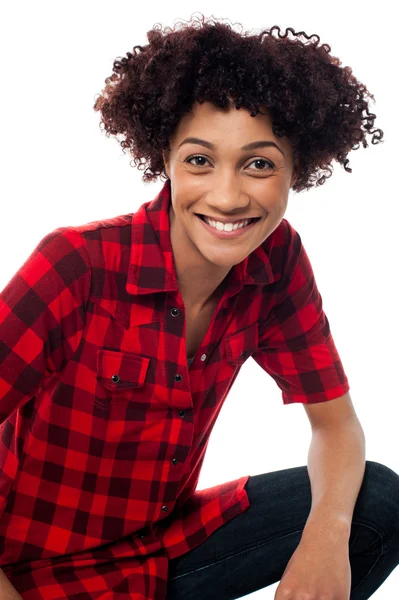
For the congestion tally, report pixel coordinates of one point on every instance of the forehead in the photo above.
(208, 115)
(227, 125)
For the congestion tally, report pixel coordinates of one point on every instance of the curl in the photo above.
(313, 100)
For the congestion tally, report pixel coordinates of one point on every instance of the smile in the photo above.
(227, 230)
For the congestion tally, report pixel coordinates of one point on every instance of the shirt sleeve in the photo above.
(42, 317)
(296, 347)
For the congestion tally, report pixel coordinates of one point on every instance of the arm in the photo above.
(336, 466)
(42, 317)
(320, 566)
(7, 591)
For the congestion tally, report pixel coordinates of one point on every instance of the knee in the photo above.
(381, 497)
(386, 476)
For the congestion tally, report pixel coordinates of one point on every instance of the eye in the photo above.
(263, 160)
(257, 160)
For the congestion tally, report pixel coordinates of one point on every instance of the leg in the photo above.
(374, 541)
(252, 550)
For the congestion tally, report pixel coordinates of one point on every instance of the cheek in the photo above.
(276, 205)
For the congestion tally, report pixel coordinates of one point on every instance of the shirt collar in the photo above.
(151, 259)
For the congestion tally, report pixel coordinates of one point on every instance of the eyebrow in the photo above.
(251, 146)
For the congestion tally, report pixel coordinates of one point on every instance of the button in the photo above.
(175, 312)
(178, 377)
(175, 461)
(182, 413)
(203, 357)
(242, 354)
(141, 536)
(164, 508)
(115, 378)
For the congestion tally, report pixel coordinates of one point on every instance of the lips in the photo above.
(236, 232)
(250, 219)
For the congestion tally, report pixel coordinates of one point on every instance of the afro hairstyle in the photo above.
(318, 104)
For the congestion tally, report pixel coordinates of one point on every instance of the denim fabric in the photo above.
(251, 551)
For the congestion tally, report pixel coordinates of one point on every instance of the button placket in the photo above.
(175, 312)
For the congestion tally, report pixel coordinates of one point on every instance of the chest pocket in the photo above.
(119, 371)
(240, 345)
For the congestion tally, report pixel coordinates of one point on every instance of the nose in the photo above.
(228, 199)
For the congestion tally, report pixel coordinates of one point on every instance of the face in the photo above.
(226, 182)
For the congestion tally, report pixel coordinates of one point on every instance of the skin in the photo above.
(7, 590)
(226, 182)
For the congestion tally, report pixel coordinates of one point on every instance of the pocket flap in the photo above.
(239, 346)
(121, 370)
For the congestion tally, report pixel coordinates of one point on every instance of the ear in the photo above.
(295, 170)
(165, 157)
(294, 175)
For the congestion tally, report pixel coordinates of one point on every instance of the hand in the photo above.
(7, 591)
(318, 569)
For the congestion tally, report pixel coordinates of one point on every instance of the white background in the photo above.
(59, 170)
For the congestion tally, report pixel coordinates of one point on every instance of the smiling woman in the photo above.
(256, 106)
(120, 340)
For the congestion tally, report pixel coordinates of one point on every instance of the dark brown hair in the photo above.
(318, 104)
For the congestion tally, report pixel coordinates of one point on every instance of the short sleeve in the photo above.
(42, 316)
(296, 347)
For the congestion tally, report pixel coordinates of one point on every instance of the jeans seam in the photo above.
(384, 547)
(228, 557)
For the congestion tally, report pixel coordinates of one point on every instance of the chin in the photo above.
(225, 260)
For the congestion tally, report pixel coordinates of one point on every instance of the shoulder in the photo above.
(111, 223)
(94, 238)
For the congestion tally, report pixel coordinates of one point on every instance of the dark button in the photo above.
(115, 378)
(174, 312)
(175, 461)
(164, 508)
(141, 536)
(242, 354)
(182, 413)
(178, 377)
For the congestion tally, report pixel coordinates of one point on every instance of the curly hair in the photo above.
(319, 105)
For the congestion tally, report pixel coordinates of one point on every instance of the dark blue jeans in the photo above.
(252, 550)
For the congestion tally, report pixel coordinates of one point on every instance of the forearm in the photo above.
(7, 590)
(336, 466)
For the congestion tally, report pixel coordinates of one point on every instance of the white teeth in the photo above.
(226, 226)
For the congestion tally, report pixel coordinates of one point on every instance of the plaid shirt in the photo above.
(104, 428)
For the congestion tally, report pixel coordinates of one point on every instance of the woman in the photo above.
(121, 339)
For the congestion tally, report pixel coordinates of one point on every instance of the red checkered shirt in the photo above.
(104, 428)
